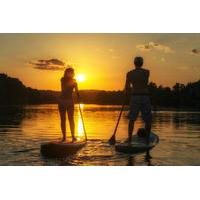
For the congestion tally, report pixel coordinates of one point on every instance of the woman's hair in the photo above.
(69, 73)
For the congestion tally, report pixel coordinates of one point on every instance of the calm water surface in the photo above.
(23, 129)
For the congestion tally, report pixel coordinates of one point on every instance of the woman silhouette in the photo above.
(66, 102)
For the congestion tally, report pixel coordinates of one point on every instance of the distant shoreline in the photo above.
(181, 97)
(181, 109)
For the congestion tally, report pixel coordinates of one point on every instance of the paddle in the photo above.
(112, 140)
(81, 114)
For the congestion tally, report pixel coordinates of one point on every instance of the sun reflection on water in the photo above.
(80, 130)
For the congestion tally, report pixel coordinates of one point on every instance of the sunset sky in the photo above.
(38, 60)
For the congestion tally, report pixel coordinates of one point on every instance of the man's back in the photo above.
(138, 78)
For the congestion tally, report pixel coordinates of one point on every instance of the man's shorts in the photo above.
(140, 103)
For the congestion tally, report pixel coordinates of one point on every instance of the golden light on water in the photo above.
(80, 78)
(80, 131)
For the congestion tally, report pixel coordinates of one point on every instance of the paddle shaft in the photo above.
(82, 122)
(81, 114)
(120, 114)
(112, 140)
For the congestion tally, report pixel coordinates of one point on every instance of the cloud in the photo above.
(183, 67)
(195, 51)
(188, 67)
(143, 47)
(53, 64)
(163, 59)
(115, 57)
(154, 46)
(111, 50)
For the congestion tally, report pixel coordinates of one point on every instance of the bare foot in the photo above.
(74, 139)
(148, 156)
(128, 141)
(63, 139)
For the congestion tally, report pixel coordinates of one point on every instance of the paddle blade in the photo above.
(112, 140)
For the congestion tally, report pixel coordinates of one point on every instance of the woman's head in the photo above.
(69, 73)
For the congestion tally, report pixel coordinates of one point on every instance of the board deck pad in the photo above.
(60, 149)
(137, 145)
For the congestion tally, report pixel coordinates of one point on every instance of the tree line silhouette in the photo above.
(13, 91)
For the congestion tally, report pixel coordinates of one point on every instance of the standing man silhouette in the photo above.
(137, 88)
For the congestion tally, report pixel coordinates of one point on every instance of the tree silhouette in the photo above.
(12, 91)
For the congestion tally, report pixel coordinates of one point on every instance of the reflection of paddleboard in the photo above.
(137, 145)
(59, 149)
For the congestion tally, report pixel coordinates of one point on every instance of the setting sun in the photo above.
(80, 77)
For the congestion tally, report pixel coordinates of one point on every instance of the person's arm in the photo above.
(127, 86)
(147, 75)
(62, 84)
(77, 91)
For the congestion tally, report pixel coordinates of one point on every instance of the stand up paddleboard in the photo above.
(60, 149)
(138, 144)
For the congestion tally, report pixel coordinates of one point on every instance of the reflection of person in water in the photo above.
(137, 87)
(131, 160)
(66, 102)
(147, 159)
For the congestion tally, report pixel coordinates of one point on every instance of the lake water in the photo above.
(23, 129)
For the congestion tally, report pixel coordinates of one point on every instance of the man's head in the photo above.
(138, 61)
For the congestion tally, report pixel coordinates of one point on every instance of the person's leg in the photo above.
(148, 126)
(147, 115)
(133, 114)
(148, 130)
(70, 112)
(62, 111)
(130, 129)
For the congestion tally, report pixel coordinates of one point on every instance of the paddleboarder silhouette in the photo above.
(136, 88)
(66, 102)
